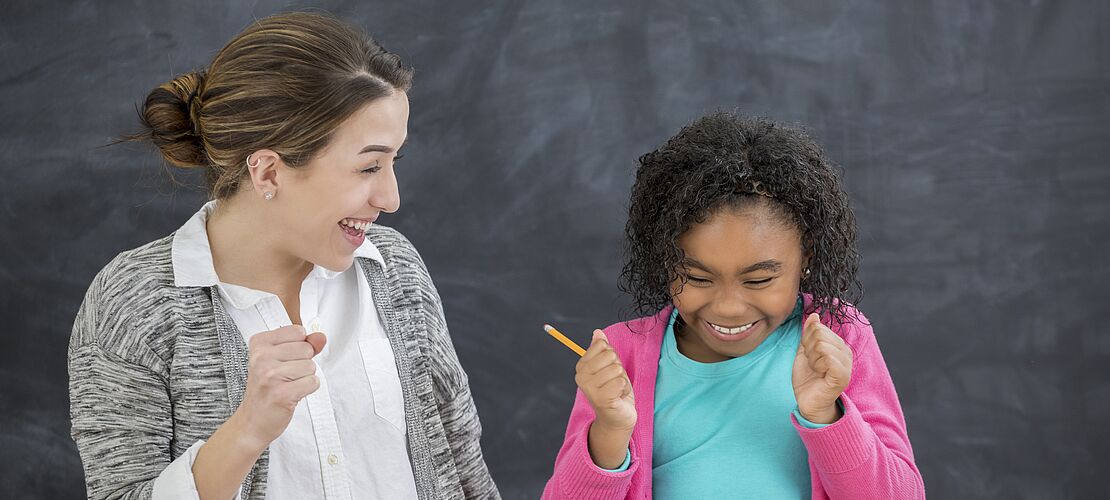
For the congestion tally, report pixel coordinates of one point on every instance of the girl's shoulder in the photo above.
(849, 323)
(647, 331)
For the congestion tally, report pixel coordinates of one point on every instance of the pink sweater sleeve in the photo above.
(866, 454)
(576, 476)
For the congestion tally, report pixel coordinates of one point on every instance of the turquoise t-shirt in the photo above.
(723, 430)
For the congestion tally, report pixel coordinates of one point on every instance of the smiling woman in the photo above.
(280, 344)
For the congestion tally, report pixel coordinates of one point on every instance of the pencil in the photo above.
(563, 338)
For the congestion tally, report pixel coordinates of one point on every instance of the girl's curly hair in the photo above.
(727, 160)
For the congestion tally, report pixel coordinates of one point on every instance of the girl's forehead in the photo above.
(737, 236)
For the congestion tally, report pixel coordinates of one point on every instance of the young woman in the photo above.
(279, 344)
(754, 376)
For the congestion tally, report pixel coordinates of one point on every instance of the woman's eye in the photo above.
(372, 170)
(397, 158)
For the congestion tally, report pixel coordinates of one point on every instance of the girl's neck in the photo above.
(246, 252)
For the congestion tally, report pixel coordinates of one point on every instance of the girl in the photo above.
(191, 374)
(754, 377)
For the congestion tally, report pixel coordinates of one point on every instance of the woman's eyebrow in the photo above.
(378, 148)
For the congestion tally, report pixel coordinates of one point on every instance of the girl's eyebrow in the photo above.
(692, 262)
(766, 265)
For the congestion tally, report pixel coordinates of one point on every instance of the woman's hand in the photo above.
(280, 374)
(822, 369)
(601, 377)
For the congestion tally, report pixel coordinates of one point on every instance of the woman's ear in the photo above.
(262, 167)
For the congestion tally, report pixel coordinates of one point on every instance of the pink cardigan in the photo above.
(864, 455)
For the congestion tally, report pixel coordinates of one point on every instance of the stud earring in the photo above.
(269, 195)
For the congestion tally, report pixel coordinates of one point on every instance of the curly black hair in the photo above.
(728, 160)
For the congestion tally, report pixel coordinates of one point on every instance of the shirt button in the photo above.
(332, 459)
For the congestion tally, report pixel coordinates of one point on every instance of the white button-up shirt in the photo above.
(347, 439)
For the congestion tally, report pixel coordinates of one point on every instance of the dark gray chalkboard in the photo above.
(974, 138)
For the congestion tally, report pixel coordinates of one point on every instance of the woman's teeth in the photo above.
(355, 224)
(732, 331)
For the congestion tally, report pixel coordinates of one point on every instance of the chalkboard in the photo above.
(973, 137)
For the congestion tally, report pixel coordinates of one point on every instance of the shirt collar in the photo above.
(191, 256)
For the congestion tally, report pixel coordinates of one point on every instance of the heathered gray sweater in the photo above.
(154, 367)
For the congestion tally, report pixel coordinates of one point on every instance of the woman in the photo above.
(191, 374)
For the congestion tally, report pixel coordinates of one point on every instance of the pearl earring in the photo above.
(269, 195)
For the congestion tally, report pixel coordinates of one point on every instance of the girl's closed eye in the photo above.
(698, 281)
(759, 282)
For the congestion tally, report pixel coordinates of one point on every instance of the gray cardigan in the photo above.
(154, 367)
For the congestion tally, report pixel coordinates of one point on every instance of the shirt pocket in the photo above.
(385, 385)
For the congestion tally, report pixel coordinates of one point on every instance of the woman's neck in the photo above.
(245, 250)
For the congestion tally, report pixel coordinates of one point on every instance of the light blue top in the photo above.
(723, 429)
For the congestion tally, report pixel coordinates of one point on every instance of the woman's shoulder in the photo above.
(125, 293)
(138, 271)
(392, 244)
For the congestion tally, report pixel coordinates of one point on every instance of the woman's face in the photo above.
(744, 269)
(350, 182)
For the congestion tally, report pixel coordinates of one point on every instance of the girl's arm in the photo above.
(576, 476)
(866, 453)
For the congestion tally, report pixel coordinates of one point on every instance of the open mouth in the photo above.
(355, 227)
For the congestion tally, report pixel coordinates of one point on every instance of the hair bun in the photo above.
(171, 116)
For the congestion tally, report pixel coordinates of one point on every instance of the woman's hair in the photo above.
(285, 83)
(725, 160)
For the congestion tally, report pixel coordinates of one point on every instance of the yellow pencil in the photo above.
(563, 338)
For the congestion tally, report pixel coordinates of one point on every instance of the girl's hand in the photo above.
(601, 377)
(280, 373)
(822, 369)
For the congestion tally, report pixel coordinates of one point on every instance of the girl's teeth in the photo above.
(732, 331)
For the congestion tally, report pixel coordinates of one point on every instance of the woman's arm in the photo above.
(456, 405)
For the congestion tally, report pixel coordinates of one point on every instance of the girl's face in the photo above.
(350, 180)
(744, 269)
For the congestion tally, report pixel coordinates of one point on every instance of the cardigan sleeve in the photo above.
(576, 476)
(121, 416)
(866, 454)
(459, 415)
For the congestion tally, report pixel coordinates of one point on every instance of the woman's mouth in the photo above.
(355, 230)
(731, 333)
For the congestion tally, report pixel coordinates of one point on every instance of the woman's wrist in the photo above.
(242, 436)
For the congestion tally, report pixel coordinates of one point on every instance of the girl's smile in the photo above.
(742, 269)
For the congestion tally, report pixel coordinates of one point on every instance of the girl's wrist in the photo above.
(825, 415)
(608, 447)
